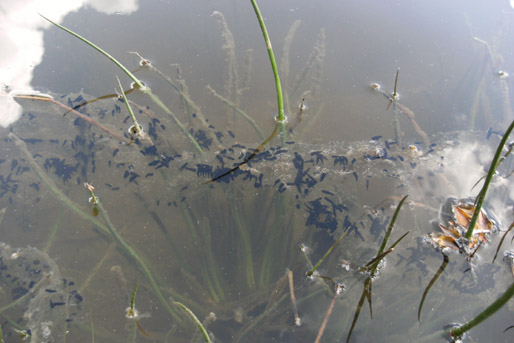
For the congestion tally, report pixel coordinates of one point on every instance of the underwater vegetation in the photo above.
(225, 241)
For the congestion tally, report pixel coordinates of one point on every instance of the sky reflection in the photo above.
(21, 38)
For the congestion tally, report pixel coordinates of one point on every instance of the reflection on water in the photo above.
(225, 247)
(21, 36)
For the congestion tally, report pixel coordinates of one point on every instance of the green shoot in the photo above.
(131, 311)
(394, 97)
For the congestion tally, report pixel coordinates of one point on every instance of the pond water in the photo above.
(228, 228)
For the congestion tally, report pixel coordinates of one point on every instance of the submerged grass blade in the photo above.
(432, 282)
(205, 334)
(52, 186)
(141, 86)
(246, 242)
(137, 128)
(372, 267)
(278, 86)
(228, 46)
(326, 254)
(109, 228)
(132, 253)
(235, 107)
(364, 295)
(388, 232)
(284, 64)
(54, 230)
(489, 311)
(492, 170)
(180, 88)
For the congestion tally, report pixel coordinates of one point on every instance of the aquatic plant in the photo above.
(280, 101)
(135, 129)
(228, 226)
(204, 332)
(371, 268)
(140, 85)
(489, 311)
(491, 172)
(398, 107)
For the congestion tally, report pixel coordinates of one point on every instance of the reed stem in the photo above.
(492, 170)
(490, 310)
(278, 86)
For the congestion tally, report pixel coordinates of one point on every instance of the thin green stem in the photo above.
(55, 228)
(238, 110)
(205, 334)
(390, 228)
(246, 242)
(133, 299)
(278, 86)
(490, 310)
(131, 252)
(109, 229)
(53, 187)
(141, 86)
(326, 254)
(492, 170)
(137, 128)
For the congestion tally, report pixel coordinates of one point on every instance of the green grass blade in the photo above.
(278, 86)
(197, 322)
(133, 299)
(492, 170)
(326, 254)
(490, 310)
(141, 86)
(103, 52)
(390, 229)
(137, 127)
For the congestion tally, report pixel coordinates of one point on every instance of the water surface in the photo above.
(225, 247)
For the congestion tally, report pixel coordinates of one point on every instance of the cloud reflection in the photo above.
(21, 39)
